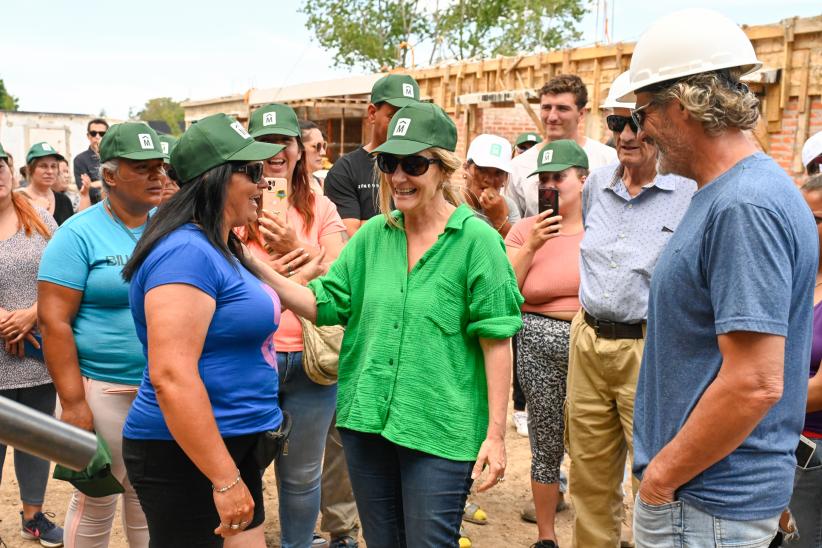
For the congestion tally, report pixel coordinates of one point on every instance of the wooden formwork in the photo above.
(791, 77)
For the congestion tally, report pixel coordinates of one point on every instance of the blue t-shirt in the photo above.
(87, 253)
(238, 365)
(742, 259)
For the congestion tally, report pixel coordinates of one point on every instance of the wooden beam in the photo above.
(787, 61)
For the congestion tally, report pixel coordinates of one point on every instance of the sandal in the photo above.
(464, 542)
(474, 514)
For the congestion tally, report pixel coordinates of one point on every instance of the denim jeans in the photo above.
(806, 507)
(299, 472)
(679, 524)
(32, 472)
(405, 497)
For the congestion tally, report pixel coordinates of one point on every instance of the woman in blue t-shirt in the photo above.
(89, 342)
(207, 324)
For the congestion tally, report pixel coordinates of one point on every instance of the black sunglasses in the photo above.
(617, 123)
(253, 170)
(411, 165)
(96, 133)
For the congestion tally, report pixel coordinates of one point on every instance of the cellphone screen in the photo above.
(548, 199)
(275, 195)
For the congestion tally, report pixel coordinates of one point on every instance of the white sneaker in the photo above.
(520, 420)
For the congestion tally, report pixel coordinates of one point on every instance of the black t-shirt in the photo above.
(352, 185)
(62, 208)
(88, 163)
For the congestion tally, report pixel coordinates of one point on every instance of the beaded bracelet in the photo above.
(502, 225)
(229, 486)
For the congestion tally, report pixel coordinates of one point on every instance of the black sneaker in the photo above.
(43, 529)
(545, 544)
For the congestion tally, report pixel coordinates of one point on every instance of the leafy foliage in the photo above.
(7, 101)
(164, 109)
(379, 34)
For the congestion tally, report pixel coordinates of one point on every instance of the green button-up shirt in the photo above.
(411, 366)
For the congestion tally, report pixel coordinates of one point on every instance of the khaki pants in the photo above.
(339, 511)
(602, 376)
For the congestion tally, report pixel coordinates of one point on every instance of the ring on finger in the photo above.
(234, 526)
(500, 479)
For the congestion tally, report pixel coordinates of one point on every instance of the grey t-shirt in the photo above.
(743, 258)
(19, 261)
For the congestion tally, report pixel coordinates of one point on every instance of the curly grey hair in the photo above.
(717, 99)
(111, 166)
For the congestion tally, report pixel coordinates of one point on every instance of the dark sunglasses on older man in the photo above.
(96, 133)
(617, 123)
(253, 170)
(412, 165)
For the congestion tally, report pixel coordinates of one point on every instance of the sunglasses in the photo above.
(412, 165)
(618, 123)
(638, 115)
(253, 170)
(96, 133)
(319, 147)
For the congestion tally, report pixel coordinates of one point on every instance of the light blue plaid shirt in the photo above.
(624, 236)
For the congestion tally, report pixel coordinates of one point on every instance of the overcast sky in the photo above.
(88, 56)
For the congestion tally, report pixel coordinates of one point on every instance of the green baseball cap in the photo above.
(417, 127)
(274, 119)
(213, 141)
(528, 138)
(132, 141)
(40, 150)
(3, 152)
(167, 144)
(560, 155)
(96, 480)
(399, 90)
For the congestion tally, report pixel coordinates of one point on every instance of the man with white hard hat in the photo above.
(630, 212)
(486, 169)
(812, 154)
(562, 104)
(720, 400)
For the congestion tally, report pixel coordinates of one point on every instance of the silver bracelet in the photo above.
(229, 486)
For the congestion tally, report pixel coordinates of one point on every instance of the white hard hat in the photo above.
(689, 42)
(488, 150)
(619, 88)
(812, 148)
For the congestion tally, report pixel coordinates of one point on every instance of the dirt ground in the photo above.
(502, 503)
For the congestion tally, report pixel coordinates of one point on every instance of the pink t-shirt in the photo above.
(552, 283)
(289, 334)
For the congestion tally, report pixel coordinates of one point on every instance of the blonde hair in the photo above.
(449, 163)
(717, 99)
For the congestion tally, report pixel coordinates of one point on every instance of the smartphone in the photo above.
(31, 351)
(548, 199)
(804, 452)
(275, 195)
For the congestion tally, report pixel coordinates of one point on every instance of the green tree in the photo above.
(7, 101)
(377, 34)
(164, 109)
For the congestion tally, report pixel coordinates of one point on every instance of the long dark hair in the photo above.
(201, 201)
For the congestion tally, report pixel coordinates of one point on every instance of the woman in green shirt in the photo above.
(430, 302)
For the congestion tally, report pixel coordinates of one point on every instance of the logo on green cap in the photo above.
(408, 90)
(532, 137)
(46, 146)
(496, 150)
(270, 119)
(145, 141)
(238, 127)
(547, 156)
(402, 127)
(164, 146)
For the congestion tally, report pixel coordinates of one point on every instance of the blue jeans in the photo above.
(312, 408)
(405, 497)
(806, 507)
(679, 524)
(32, 472)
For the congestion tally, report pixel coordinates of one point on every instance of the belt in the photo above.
(614, 330)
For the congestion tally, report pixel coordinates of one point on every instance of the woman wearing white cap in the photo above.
(485, 171)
